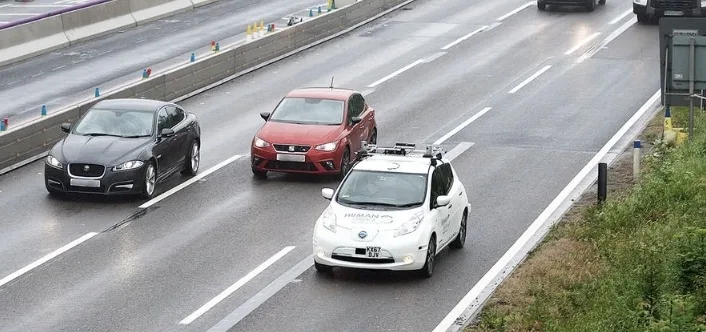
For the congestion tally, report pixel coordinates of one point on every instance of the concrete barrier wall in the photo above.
(98, 20)
(145, 11)
(24, 143)
(27, 40)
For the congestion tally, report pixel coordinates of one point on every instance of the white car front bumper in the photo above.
(407, 252)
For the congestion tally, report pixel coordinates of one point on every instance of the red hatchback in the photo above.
(313, 130)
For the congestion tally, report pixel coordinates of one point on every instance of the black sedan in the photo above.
(124, 146)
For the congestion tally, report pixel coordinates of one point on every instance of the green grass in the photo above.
(636, 264)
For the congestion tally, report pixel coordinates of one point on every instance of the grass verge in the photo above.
(636, 264)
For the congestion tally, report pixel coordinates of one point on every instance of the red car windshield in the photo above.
(314, 111)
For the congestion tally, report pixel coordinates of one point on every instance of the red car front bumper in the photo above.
(311, 162)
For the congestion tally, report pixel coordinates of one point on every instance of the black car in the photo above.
(124, 146)
(589, 4)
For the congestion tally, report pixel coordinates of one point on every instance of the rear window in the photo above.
(314, 111)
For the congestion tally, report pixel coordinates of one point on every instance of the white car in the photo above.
(395, 210)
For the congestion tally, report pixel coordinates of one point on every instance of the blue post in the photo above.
(667, 112)
(193, 57)
(311, 12)
(218, 47)
(2, 125)
(144, 74)
(637, 144)
(319, 10)
(44, 110)
(98, 92)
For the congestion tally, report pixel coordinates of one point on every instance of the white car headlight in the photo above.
(411, 225)
(328, 219)
(328, 147)
(53, 162)
(133, 164)
(260, 143)
(640, 2)
(703, 2)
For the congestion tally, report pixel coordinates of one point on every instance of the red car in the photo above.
(313, 130)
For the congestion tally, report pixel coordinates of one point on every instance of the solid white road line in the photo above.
(189, 182)
(457, 41)
(220, 297)
(39, 6)
(399, 71)
(617, 19)
(46, 258)
(530, 79)
(462, 125)
(270, 290)
(581, 43)
(475, 298)
(517, 10)
(608, 39)
(19, 14)
(434, 57)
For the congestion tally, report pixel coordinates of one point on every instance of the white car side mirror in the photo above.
(443, 200)
(327, 193)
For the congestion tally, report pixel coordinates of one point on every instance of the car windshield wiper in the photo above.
(135, 136)
(370, 203)
(100, 134)
(409, 204)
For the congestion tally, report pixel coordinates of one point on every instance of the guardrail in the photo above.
(47, 32)
(30, 141)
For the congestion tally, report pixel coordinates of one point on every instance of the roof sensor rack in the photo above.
(433, 152)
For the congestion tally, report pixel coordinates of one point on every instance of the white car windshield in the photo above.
(313, 111)
(121, 123)
(378, 188)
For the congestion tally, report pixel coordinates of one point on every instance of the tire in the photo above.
(345, 164)
(591, 5)
(149, 185)
(373, 137)
(460, 239)
(642, 18)
(258, 173)
(428, 269)
(601, 2)
(321, 268)
(541, 5)
(193, 159)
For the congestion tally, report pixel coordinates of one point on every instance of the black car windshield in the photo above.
(122, 123)
(378, 189)
(314, 111)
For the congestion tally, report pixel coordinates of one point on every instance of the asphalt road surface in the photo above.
(70, 75)
(11, 10)
(559, 83)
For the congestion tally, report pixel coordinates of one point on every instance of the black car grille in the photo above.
(363, 259)
(290, 166)
(297, 148)
(92, 172)
(674, 4)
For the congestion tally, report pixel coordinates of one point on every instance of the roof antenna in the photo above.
(331, 86)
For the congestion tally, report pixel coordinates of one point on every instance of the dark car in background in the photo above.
(651, 10)
(590, 5)
(124, 146)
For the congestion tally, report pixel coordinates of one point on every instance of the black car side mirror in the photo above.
(166, 132)
(356, 120)
(66, 127)
(265, 115)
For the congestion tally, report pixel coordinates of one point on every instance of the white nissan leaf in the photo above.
(394, 210)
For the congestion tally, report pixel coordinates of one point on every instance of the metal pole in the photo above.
(691, 86)
(636, 145)
(602, 182)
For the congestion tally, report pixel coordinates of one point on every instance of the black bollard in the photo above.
(602, 182)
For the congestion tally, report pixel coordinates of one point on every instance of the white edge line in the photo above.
(516, 10)
(457, 41)
(617, 19)
(399, 71)
(46, 258)
(238, 74)
(242, 281)
(189, 182)
(581, 43)
(530, 79)
(490, 280)
(461, 126)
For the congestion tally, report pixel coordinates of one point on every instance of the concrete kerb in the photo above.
(145, 11)
(99, 20)
(157, 85)
(27, 40)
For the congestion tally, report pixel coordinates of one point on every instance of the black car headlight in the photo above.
(53, 162)
(126, 166)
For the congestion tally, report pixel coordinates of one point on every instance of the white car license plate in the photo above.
(85, 183)
(291, 157)
(673, 13)
(373, 252)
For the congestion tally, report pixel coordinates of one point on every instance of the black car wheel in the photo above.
(193, 160)
(322, 268)
(591, 5)
(460, 239)
(258, 173)
(345, 163)
(374, 137)
(541, 5)
(150, 181)
(428, 268)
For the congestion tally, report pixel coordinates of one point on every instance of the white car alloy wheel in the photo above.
(195, 157)
(150, 180)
